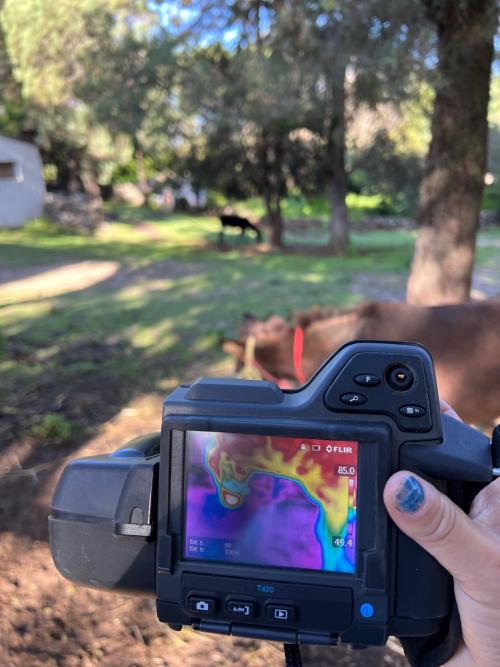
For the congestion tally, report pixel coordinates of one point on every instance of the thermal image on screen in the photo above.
(270, 500)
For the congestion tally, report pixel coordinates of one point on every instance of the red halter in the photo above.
(298, 349)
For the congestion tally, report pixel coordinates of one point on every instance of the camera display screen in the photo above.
(271, 501)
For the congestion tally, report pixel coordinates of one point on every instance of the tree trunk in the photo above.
(452, 186)
(69, 176)
(90, 185)
(339, 216)
(272, 201)
(140, 167)
(277, 192)
(273, 210)
(271, 164)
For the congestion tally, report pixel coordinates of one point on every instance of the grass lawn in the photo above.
(160, 319)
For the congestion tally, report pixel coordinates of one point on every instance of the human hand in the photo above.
(467, 546)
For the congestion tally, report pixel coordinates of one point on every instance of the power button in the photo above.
(371, 609)
(366, 610)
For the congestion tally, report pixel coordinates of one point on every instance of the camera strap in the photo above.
(292, 655)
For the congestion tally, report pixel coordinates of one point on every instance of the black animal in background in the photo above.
(242, 223)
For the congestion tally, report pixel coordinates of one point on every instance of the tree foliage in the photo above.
(245, 97)
(288, 86)
(59, 53)
(47, 42)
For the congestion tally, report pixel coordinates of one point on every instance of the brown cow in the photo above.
(463, 339)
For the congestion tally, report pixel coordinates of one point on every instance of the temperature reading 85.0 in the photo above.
(346, 471)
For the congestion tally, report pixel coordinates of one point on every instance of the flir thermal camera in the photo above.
(258, 512)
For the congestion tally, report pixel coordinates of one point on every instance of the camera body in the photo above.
(259, 512)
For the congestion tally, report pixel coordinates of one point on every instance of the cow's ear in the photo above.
(233, 347)
(276, 326)
(248, 325)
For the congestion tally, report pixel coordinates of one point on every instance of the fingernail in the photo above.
(410, 496)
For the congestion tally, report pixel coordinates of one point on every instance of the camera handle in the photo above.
(495, 450)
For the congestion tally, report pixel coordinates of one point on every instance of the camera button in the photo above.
(201, 605)
(370, 609)
(412, 410)
(367, 380)
(237, 608)
(279, 613)
(367, 610)
(353, 399)
(400, 378)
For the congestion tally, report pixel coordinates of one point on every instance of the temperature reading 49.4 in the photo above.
(346, 471)
(342, 541)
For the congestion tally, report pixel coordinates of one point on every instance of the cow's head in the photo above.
(273, 345)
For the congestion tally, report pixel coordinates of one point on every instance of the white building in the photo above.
(22, 188)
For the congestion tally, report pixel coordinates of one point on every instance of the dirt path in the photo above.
(49, 281)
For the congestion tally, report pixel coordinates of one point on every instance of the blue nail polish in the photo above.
(410, 496)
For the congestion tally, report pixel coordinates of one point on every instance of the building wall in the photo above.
(22, 194)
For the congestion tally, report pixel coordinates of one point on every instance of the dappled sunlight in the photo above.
(152, 339)
(174, 230)
(132, 295)
(14, 316)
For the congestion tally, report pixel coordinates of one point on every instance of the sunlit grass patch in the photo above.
(53, 428)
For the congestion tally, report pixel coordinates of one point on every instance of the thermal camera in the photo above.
(258, 512)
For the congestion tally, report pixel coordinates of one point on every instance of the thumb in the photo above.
(437, 524)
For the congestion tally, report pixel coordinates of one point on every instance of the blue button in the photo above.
(366, 610)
